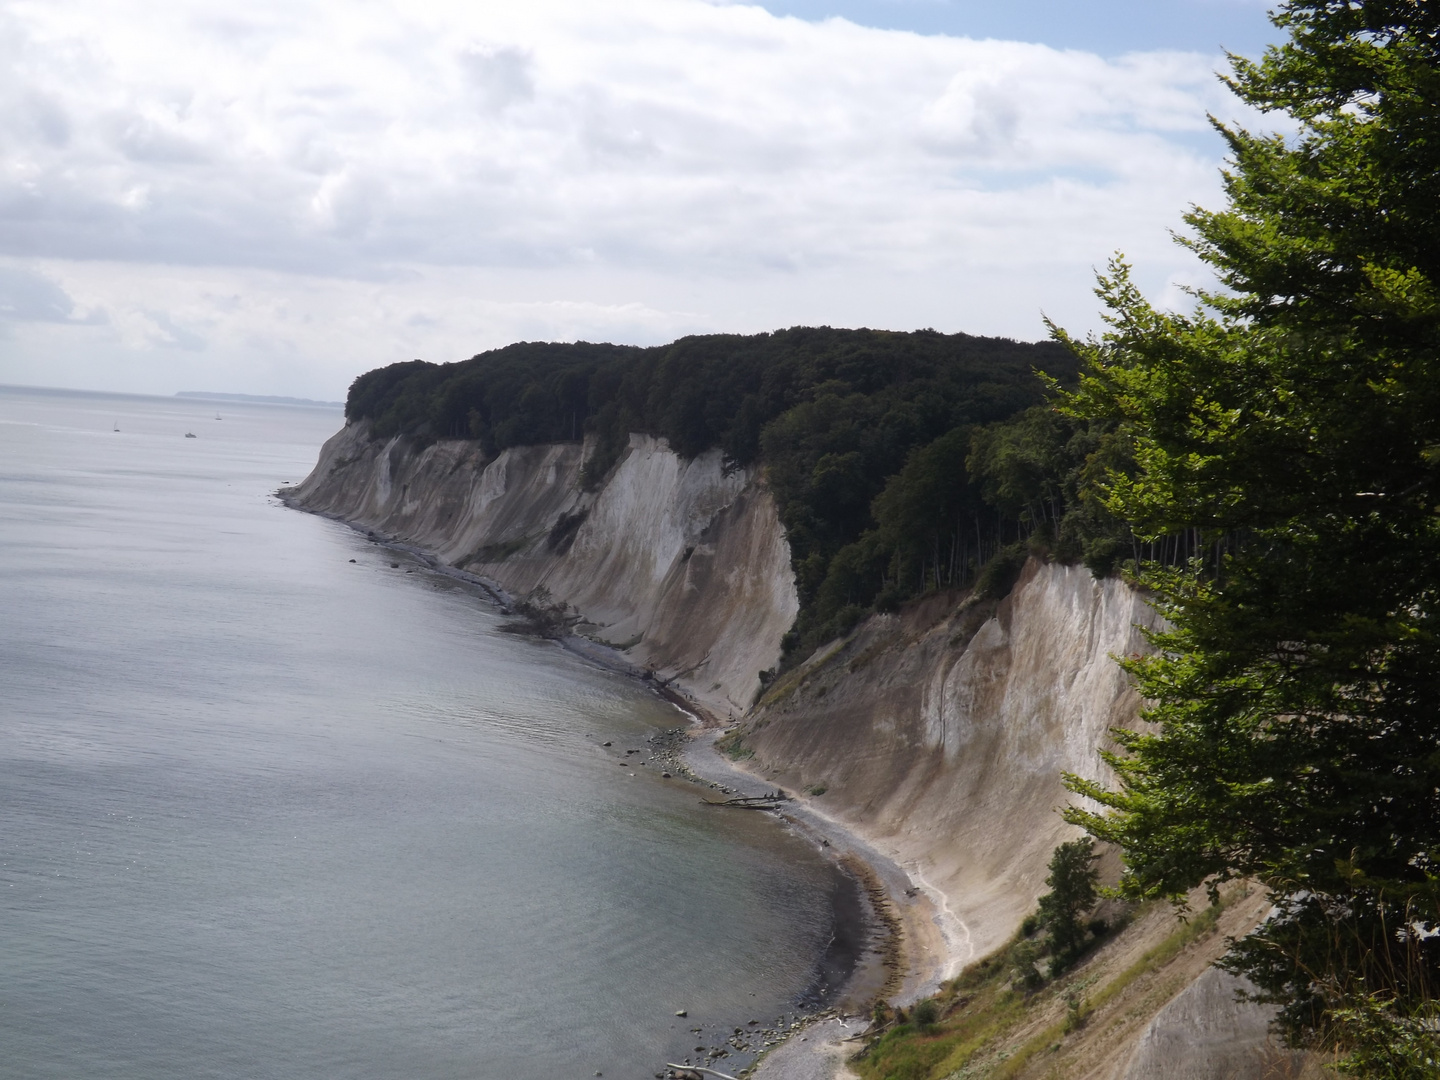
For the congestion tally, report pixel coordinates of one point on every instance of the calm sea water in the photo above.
(265, 812)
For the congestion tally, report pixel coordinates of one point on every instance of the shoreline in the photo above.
(917, 959)
(907, 952)
(861, 959)
(900, 949)
(910, 955)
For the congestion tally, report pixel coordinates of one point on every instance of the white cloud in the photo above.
(309, 188)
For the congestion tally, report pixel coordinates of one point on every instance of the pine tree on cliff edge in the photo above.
(1291, 426)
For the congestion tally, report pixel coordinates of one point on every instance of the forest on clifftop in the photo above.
(899, 462)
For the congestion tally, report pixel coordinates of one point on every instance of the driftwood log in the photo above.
(749, 802)
(681, 1070)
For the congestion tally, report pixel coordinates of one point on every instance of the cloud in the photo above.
(714, 159)
(26, 296)
(498, 76)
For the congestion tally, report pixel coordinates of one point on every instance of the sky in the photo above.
(273, 197)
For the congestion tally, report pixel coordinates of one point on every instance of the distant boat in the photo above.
(190, 434)
(218, 416)
(117, 425)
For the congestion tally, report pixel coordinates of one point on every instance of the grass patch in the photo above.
(984, 1009)
(977, 1009)
(1201, 925)
(777, 686)
(776, 692)
(869, 654)
(733, 746)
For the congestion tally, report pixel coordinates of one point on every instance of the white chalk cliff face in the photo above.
(942, 734)
(939, 734)
(681, 563)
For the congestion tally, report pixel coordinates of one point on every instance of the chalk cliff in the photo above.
(939, 734)
(683, 564)
(942, 733)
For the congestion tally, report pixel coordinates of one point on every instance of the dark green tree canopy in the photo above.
(1074, 888)
(863, 435)
(1291, 427)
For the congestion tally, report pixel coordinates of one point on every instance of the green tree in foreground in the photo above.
(1291, 428)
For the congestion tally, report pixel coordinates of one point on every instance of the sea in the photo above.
(272, 807)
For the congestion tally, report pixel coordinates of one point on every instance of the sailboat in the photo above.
(117, 425)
